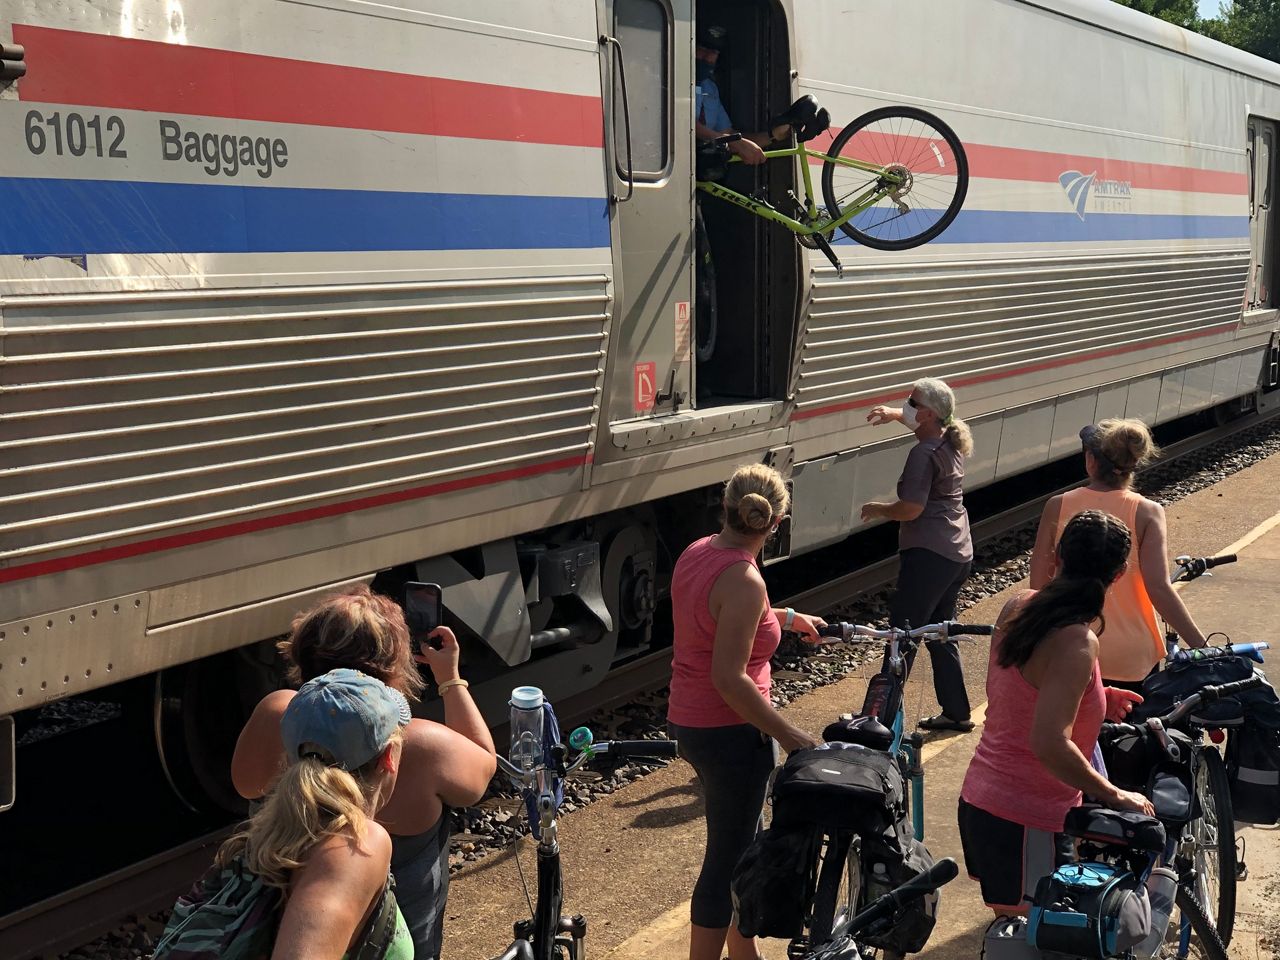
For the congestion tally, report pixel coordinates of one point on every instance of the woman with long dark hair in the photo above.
(1045, 706)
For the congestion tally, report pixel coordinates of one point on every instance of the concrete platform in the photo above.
(631, 859)
(1240, 600)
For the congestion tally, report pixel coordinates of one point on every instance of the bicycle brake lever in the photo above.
(1171, 749)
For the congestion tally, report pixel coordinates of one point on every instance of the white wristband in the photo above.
(791, 618)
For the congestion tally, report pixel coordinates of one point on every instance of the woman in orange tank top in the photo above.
(1132, 644)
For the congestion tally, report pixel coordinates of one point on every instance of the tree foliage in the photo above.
(1181, 12)
(1252, 25)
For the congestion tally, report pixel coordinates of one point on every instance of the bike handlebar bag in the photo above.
(773, 883)
(1089, 910)
(840, 786)
(1253, 764)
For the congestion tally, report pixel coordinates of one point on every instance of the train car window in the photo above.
(1262, 226)
(643, 27)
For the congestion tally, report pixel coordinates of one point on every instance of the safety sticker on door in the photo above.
(646, 376)
(682, 330)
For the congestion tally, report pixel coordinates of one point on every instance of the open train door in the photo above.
(662, 366)
(647, 83)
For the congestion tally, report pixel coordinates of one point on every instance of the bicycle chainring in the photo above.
(809, 240)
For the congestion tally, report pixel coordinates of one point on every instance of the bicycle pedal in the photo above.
(1242, 872)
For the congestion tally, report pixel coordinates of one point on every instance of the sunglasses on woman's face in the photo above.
(911, 401)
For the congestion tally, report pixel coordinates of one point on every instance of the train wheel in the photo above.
(199, 709)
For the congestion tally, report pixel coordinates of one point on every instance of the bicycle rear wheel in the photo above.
(1215, 841)
(835, 901)
(914, 145)
(1205, 944)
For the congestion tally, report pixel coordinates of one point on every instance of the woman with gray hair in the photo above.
(934, 545)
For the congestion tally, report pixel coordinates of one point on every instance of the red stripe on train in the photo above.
(990, 162)
(1020, 371)
(38, 568)
(73, 67)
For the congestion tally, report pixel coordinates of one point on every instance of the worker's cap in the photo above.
(713, 37)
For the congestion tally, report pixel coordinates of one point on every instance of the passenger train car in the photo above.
(298, 294)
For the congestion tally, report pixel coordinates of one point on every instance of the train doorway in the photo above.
(747, 289)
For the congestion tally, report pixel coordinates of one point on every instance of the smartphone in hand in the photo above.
(423, 609)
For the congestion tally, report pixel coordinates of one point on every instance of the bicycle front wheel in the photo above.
(1215, 840)
(1205, 942)
(918, 185)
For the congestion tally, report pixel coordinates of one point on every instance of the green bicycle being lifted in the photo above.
(893, 179)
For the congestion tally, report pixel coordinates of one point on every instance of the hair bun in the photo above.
(756, 511)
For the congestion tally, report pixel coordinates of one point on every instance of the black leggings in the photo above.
(733, 764)
(928, 584)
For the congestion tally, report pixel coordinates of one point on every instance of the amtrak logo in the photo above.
(1077, 185)
(1109, 195)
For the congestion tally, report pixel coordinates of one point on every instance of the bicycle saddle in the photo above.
(864, 731)
(805, 117)
(1116, 828)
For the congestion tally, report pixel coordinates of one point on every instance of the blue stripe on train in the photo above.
(1016, 226)
(49, 217)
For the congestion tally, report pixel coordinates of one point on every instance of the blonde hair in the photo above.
(359, 629)
(1127, 444)
(754, 495)
(939, 398)
(308, 804)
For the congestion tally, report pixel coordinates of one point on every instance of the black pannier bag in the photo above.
(840, 786)
(1162, 690)
(1138, 762)
(774, 881)
(1089, 910)
(1253, 764)
(885, 867)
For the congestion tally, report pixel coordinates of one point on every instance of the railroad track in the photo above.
(76, 916)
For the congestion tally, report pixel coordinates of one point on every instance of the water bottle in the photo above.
(1251, 650)
(526, 727)
(1162, 885)
(882, 698)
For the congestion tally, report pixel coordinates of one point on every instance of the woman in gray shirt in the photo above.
(934, 545)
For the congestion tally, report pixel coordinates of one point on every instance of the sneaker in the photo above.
(943, 722)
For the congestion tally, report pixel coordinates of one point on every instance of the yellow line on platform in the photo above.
(1257, 533)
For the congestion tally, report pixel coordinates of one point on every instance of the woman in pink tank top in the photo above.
(1045, 705)
(1113, 450)
(725, 632)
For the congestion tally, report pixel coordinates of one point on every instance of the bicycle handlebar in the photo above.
(600, 749)
(1205, 695)
(1189, 568)
(883, 908)
(657, 749)
(840, 630)
(1252, 651)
